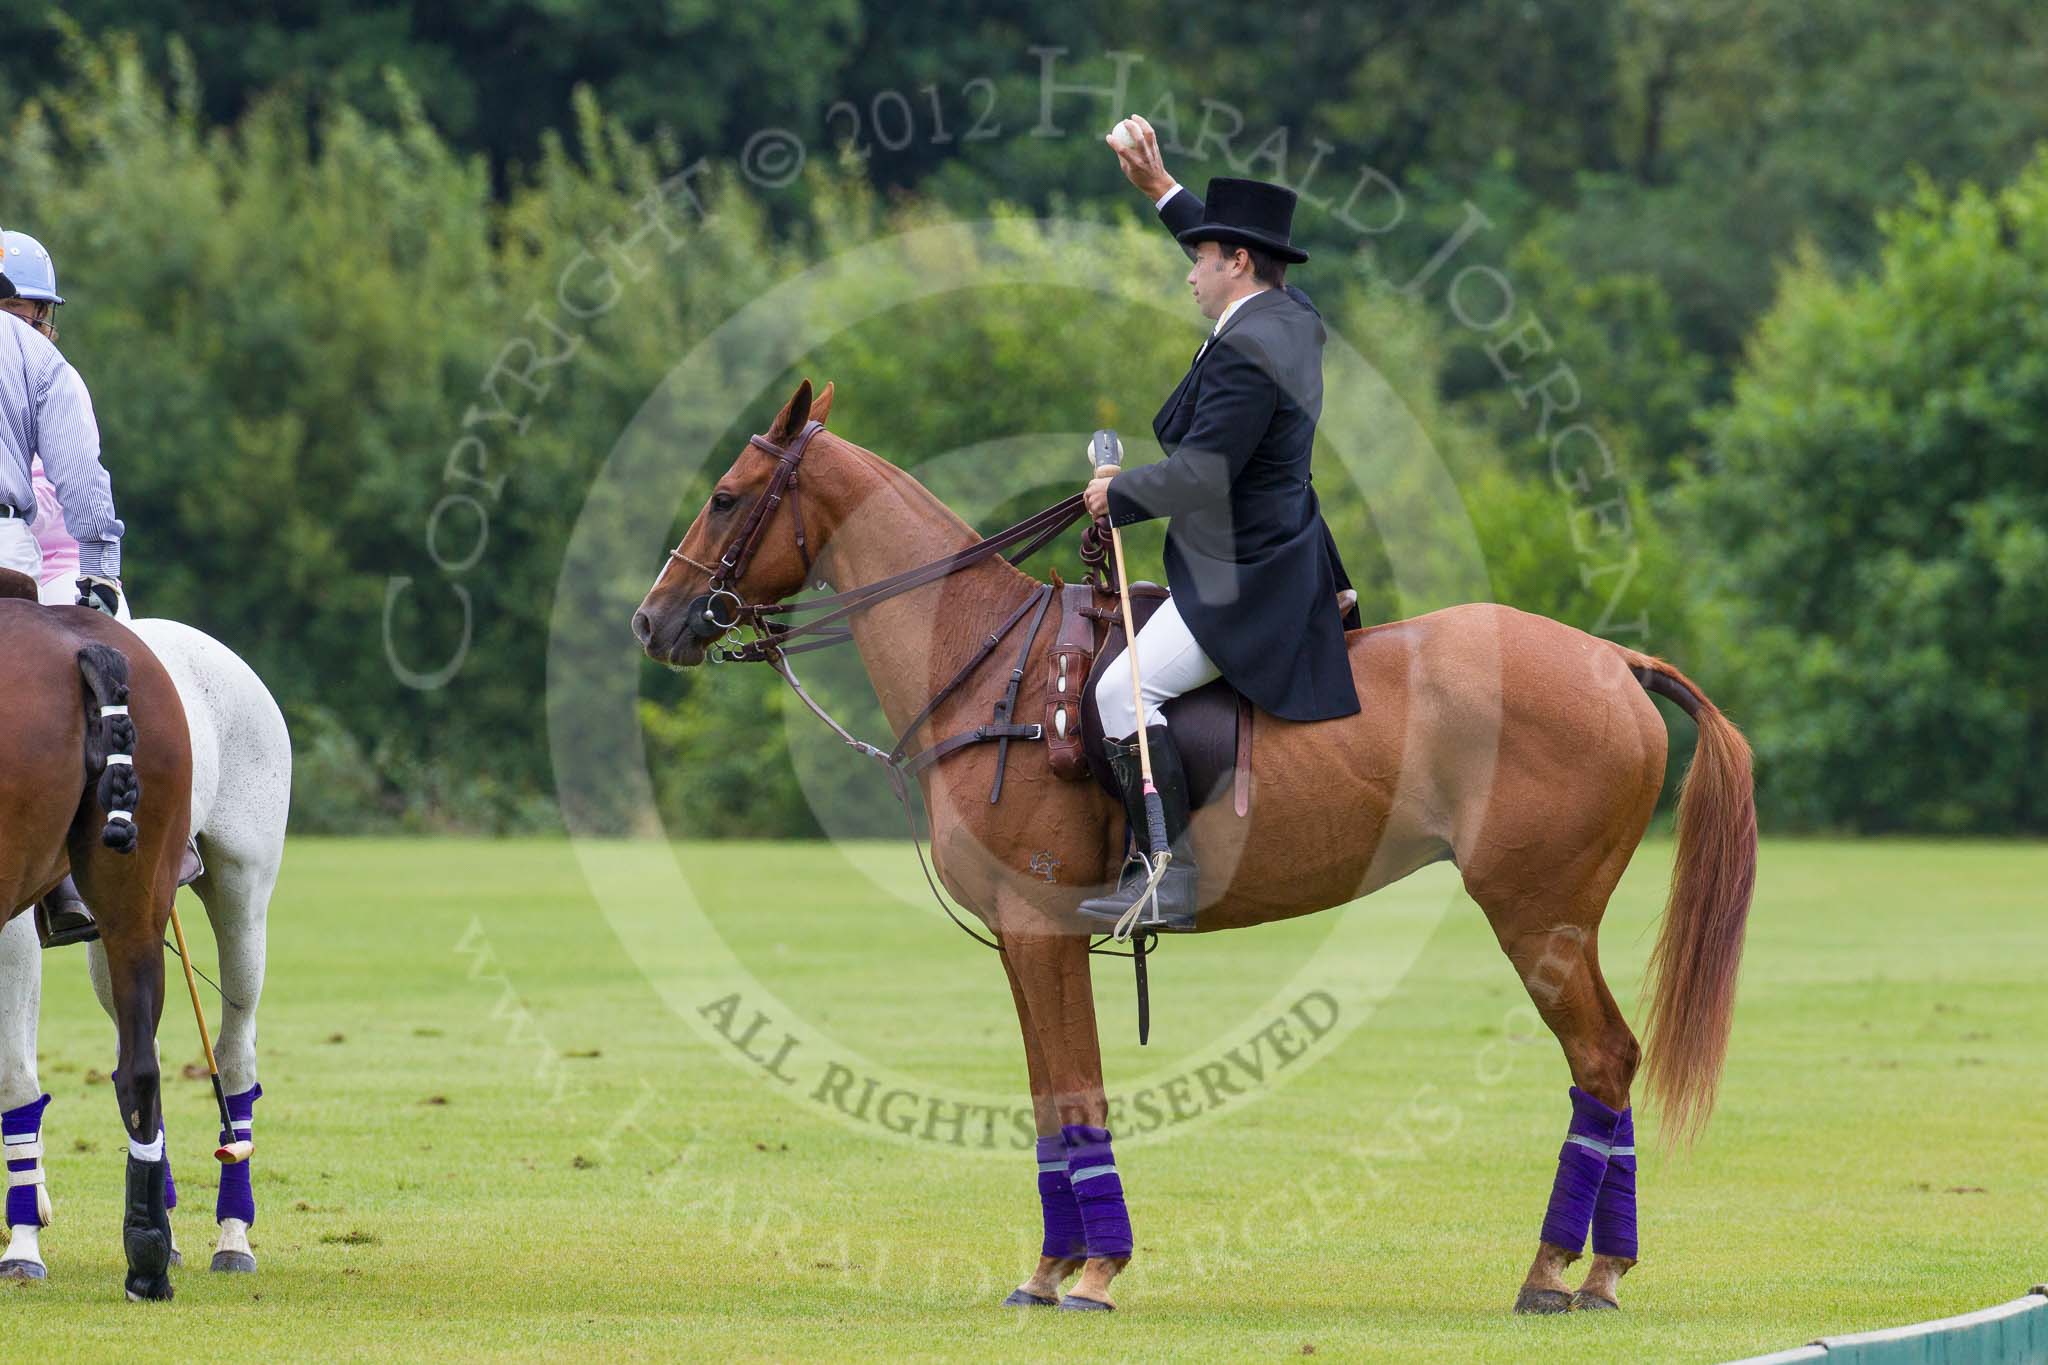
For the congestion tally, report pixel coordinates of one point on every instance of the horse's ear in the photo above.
(794, 414)
(823, 404)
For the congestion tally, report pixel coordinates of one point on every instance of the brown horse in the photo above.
(96, 781)
(1524, 751)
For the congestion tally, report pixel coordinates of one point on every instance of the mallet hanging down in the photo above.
(232, 1150)
(1106, 453)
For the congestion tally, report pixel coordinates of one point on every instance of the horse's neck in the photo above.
(885, 522)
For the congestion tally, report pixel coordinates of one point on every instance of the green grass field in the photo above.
(486, 1135)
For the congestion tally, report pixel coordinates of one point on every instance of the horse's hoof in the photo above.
(1074, 1303)
(242, 1263)
(1019, 1298)
(1590, 1303)
(23, 1270)
(149, 1288)
(1543, 1301)
(177, 1258)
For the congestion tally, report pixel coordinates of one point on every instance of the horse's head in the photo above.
(686, 610)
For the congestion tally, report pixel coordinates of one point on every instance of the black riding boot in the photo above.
(63, 919)
(1173, 908)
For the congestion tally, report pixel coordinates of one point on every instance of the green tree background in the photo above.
(1794, 255)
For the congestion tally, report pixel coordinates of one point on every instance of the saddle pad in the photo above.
(1204, 722)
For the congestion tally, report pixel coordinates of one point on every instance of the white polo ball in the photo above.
(1124, 136)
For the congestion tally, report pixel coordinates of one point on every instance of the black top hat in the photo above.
(1247, 213)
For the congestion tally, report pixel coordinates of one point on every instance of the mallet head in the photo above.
(234, 1153)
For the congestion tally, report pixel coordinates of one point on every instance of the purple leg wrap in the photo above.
(19, 1128)
(1091, 1167)
(1581, 1166)
(1064, 1238)
(1614, 1216)
(237, 1198)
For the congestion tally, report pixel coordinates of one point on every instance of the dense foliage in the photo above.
(305, 253)
(1875, 524)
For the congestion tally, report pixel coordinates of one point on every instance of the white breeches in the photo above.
(18, 548)
(1169, 664)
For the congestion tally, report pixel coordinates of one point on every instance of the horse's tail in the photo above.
(110, 742)
(1692, 1003)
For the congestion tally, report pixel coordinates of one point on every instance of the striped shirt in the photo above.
(45, 410)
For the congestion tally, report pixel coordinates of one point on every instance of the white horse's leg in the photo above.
(22, 1099)
(236, 890)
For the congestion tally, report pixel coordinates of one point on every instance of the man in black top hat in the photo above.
(1254, 571)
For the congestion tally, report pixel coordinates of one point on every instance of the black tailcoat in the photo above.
(1253, 568)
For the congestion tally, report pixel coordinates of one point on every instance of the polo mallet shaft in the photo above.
(232, 1149)
(1107, 453)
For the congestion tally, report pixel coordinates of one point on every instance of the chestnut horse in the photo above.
(1525, 752)
(96, 780)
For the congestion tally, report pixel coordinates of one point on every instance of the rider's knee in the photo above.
(1113, 703)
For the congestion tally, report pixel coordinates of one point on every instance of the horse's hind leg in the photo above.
(135, 972)
(236, 890)
(22, 1100)
(103, 987)
(1554, 948)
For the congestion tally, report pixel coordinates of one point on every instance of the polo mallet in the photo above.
(235, 1150)
(1106, 452)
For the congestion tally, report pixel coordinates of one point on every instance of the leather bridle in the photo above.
(739, 551)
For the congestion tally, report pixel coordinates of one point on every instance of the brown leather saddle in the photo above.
(1212, 725)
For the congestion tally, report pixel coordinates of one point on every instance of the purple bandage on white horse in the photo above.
(1091, 1169)
(1614, 1216)
(21, 1132)
(237, 1198)
(1581, 1166)
(1064, 1237)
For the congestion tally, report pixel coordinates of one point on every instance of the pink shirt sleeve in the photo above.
(60, 551)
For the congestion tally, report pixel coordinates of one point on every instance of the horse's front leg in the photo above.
(1049, 967)
(22, 1100)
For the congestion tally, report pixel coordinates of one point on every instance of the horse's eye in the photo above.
(722, 501)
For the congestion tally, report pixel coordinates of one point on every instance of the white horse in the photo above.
(241, 789)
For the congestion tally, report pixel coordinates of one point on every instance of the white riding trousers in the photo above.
(18, 548)
(1169, 664)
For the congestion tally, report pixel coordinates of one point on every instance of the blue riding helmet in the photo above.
(28, 267)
